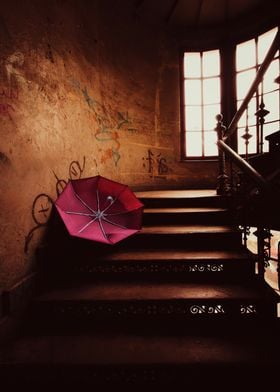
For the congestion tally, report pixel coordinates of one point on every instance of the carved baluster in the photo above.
(278, 265)
(260, 114)
(222, 180)
(264, 246)
(247, 136)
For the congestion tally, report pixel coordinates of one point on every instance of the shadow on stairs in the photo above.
(178, 304)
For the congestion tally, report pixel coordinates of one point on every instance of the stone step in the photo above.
(160, 236)
(133, 360)
(170, 264)
(162, 301)
(194, 215)
(182, 198)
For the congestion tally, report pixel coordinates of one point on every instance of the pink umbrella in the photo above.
(99, 209)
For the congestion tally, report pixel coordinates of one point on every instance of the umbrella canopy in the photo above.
(99, 209)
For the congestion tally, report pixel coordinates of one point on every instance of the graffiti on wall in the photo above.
(9, 93)
(155, 164)
(6, 109)
(109, 125)
(7, 96)
(13, 66)
(43, 203)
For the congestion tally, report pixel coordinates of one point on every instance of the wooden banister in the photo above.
(244, 166)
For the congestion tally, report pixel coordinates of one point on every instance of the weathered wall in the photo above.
(85, 88)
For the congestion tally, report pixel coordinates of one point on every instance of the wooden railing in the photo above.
(229, 158)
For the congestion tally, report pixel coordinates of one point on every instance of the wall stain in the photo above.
(49, 54)
(4, 159)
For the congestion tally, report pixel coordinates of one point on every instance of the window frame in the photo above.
(183, 151)
(228, 84)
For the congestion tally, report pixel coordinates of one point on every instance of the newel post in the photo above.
(222, 180)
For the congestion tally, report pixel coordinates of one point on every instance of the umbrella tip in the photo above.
(110, 199)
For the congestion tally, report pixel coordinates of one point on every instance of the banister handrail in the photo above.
(244, 165)
(259, 76)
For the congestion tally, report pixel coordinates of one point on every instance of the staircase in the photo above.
(178, 304)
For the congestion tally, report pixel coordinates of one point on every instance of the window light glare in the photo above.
(192, 92)
(244, 81)
(211, 63)
(210, 142)
(194, 144)
(192, 65)
(211, 91)
(270, 76)
(264, 42)
(209, 116)
(271, 101)
(193, 119)
(245, 55)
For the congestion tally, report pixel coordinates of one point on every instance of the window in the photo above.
(202, 102)
(249, 57)
(202, 86)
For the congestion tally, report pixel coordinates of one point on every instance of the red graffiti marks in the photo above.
(157, 165)
(9, 93)
(6, 109)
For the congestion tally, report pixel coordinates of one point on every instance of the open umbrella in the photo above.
(99, 209)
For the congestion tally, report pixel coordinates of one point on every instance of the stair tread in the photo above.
(127, 291)
(187, 193)
(133, 349)
(186, 229)
(183, 210)
(174, 255)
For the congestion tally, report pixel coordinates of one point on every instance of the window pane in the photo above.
(210, 143)
(193, 92)
(269, 77)
(264, 43)
(252, 147)
(252, 108)
(271, 102)
(211, 91)
(211, 63)
(268, 129)
(209, 114)
(243, 82)
(194, 144)
(193, 118)
(192, 65)
(246, 55)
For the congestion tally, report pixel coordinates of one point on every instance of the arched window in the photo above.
(202, 86)
(248, 58)
(202, 101)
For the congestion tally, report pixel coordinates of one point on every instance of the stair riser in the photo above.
(207, 218)
(211, 270)
(194, 240)
(190, 240)
(71, 314)
(217, 202)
